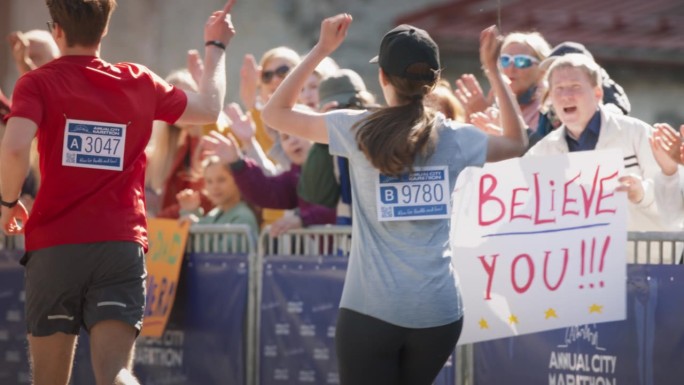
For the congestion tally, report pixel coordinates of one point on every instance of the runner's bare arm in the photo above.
(15, 153)
(205, 106)
(14, 156)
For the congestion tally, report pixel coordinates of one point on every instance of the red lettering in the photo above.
(602, 196)
(589, 199)
(606, 243)
(566, 199)
(489, 269)
(562, 275)
(515, 203)
(530, 266)
(487, 196)
(537, 201)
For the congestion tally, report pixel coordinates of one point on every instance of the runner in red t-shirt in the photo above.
(86, 237)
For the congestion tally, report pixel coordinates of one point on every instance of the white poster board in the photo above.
(539, 243)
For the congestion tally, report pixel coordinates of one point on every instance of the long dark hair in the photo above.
(392, 136)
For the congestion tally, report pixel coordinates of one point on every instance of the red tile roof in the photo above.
(634, 30)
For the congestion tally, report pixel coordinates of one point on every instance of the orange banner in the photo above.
(164, 259)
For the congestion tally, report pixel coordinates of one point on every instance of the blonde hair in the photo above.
(282, 52)
(577, 60)
(165, 138)
(442, 99)
(534, 40)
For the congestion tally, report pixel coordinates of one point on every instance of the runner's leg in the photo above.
(111, 348)
(52, 358)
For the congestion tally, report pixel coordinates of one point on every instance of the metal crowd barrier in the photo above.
(664, 247)
(234, 239)
(642, 248)
(311, 241)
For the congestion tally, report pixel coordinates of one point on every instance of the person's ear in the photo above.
(598, 92)
(383, 78)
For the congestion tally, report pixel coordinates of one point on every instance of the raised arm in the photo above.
(513, 141)
(206, 105)
(279, 112)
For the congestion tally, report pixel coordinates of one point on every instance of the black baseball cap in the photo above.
(406, 45)
(564, 48)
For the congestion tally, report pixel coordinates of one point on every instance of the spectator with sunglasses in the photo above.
(259, 82)
(521, 54)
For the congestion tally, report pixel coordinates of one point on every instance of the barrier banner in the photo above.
(299, 306)
(14, 366)
(645, 349)
(204, 342)
(163, 260)
(540, 243)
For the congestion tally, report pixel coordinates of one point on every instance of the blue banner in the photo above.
(204, 342)
(299, 306)
(645, 349)
(14, 367)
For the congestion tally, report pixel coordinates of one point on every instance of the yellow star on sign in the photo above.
(595, 309)
(483, 324)
(550, 313)
(512, 319)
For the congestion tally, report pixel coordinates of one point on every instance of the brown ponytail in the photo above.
(392, 136)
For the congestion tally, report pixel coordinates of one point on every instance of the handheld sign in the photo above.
(539, 243)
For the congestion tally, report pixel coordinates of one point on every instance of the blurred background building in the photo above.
(640, 43)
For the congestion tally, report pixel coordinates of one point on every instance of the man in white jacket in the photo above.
(575, 91)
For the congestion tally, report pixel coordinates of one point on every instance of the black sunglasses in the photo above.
(281, 72)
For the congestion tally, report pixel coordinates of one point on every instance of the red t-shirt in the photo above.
(94, 120)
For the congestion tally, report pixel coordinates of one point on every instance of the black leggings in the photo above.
(374, 352)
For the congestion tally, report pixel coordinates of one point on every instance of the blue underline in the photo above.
(546, 231)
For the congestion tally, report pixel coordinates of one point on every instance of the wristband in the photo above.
(9, 204)
(215, 43)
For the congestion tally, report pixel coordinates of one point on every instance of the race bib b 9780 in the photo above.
(422, 194)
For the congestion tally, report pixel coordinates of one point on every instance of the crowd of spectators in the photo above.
(567, 100)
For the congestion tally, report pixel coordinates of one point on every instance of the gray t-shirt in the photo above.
(400, 271)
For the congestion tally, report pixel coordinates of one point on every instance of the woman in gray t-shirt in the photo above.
(401, 312)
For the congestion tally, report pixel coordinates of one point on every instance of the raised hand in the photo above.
(469, 93)
(20, 52)
(222, 147)
(219, 26)
(666, 147)
(188, 200)
(249, 80)
(488, 121)
(243, 127)
(669, 141)
(333, 32)
(490, 48)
